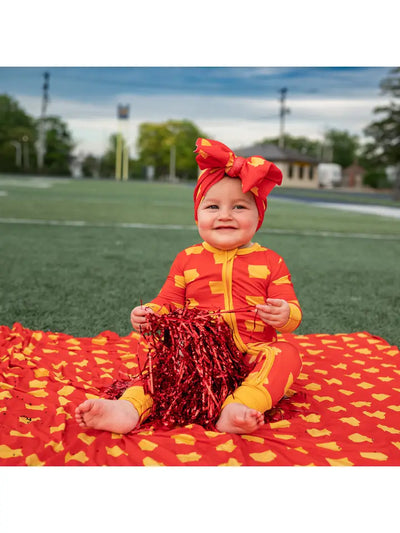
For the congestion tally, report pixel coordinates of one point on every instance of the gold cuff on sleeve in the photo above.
(294, 320)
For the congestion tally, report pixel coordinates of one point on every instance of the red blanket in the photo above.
(344, 409)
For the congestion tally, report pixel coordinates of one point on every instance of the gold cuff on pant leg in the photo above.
(254, 397)
(141, 401)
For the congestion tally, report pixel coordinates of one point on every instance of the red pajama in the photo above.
(235, 281)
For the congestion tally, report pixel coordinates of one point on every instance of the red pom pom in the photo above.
(117, 388)
(193, 365)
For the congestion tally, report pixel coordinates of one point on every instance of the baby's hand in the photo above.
(275, 312)
(139, 318)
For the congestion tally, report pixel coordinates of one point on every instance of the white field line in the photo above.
(33, 182)
(178, 227)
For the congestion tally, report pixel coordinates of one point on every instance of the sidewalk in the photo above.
(380, 210)
(366, 209)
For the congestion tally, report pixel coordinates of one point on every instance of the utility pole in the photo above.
(122, 146)
(172, 163)
(41, 142)
(283, 111)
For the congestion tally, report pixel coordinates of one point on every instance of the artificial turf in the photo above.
(85, 278)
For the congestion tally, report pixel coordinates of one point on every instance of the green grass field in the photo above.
(77, 255)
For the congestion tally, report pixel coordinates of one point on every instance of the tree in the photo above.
(17, 137)
(300, 144)
(341, 146)
(344, 146)
(156, 143)
(90, 166)
(59, 146)
(384, 148)
(107, 161)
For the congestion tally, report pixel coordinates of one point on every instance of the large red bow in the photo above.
(216, 160)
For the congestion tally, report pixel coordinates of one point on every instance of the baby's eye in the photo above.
(213, 206)
(239, 206)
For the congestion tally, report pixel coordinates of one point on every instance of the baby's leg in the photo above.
(118, 416)
(238, 418)
(277, 366)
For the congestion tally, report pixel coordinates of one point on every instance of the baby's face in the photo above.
(227, 217)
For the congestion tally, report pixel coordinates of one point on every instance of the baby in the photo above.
(229, 272)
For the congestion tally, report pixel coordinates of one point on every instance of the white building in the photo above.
(299, 170)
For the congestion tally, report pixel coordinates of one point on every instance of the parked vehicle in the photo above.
(329, 175)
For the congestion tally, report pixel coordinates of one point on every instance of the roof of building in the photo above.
(272, 152)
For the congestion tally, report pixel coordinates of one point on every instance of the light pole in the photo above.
(172, 163)
(18, 152)
(41, 142)
(25, 140)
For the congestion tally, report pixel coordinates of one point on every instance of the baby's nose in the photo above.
(225, 213)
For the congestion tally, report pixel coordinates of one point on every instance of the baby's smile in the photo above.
(225, 227)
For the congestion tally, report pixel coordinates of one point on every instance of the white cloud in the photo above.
(235, 121)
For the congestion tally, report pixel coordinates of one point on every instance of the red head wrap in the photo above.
(216, 161)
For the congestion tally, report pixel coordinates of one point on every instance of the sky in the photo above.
(235, 105)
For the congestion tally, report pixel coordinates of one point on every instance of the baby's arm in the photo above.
(139, 317)
(172, 295)
(275, 312)
(281, 309)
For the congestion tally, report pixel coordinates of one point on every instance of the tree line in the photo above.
(19, 135)
(154, 145)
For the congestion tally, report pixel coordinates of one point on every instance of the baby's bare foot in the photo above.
(118, 416)
(238, 418)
